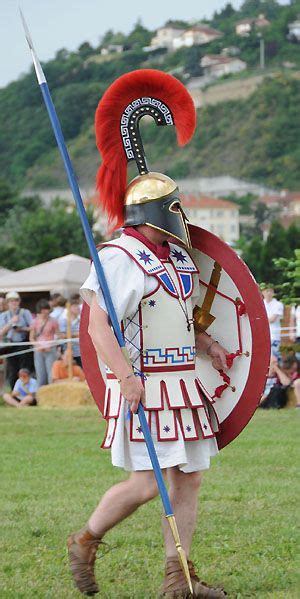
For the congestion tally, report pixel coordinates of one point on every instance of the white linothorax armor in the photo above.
(160, 339)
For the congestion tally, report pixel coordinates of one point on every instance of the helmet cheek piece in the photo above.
(164, 214)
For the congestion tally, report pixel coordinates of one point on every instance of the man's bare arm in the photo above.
(108, 349)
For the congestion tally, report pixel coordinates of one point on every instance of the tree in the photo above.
(252, 256)
(7, 198)
(139, 36)
(276, 245)
(85, 50)
(28, 238)
(290, 272)
(259, 255)
(263, 215)
(192, 64)
(252, 8)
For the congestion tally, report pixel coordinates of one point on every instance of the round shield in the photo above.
(231, 310)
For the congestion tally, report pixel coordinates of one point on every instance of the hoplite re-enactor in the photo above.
(162, 295)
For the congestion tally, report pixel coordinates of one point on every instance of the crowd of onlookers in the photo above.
(34, 345)
(283, 382)
(46, 358)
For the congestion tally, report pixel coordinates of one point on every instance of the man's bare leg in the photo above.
(184, 489)
(121, 500)
(118, 503)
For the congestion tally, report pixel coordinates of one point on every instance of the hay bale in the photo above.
(67, 394)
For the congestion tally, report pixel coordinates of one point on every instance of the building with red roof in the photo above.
(216, 215)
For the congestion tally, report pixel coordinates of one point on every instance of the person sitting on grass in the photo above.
(23, 393)
(285, 390)
(60, 369)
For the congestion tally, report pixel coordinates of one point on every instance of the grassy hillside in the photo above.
(254, 138)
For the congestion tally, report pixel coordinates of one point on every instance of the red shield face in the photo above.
(232, 312)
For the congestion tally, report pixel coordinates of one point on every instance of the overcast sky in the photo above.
(56, 24)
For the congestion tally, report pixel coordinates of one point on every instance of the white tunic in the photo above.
(129, 285)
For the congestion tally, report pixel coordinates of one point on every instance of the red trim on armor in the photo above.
(141, 339)
(149, 274)
(119, 406)
(165, 395)
(184, 297)
(111, 376)
(173, 414)
(106, 403)
(186, 396)
(106, 433)
(204, 391)
(210, 424)
(182, 427)
(142, 440)
(197, 271)
(151, 292)
(168, 368)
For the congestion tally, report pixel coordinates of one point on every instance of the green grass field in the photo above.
(53, 475)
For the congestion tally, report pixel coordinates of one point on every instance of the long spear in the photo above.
(106, 293)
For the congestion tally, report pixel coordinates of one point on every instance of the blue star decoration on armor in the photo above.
(179, 256)
(146, 258)
(167, 429)
(139, 429)
(152, 303)
(188, 428)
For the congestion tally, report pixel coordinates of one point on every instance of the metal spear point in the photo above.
(106, 293)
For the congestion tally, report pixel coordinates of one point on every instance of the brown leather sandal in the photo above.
(82, 548)
(176, 587)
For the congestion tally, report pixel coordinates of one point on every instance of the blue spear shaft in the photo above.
(105, 290)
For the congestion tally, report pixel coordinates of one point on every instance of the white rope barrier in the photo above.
(50, 344)
(56, 342)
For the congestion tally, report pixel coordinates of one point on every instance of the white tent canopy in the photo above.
(63, 275)
(4, 271)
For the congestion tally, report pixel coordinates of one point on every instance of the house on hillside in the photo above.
(287, 205)
(294, 30)
(196, 35)
(213, 214)
(246, 26)
(165, 36)
(230, 51)
(217, 65)
(112, 49)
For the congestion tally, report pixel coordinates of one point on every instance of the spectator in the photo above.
(60, 370)
(75, 324)
(295, 324)
(2, 305)
(285, 377)
(274, 310)
(43, 330)
(15, 325)
(23, 394)
(2, 362)
(57, 303)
